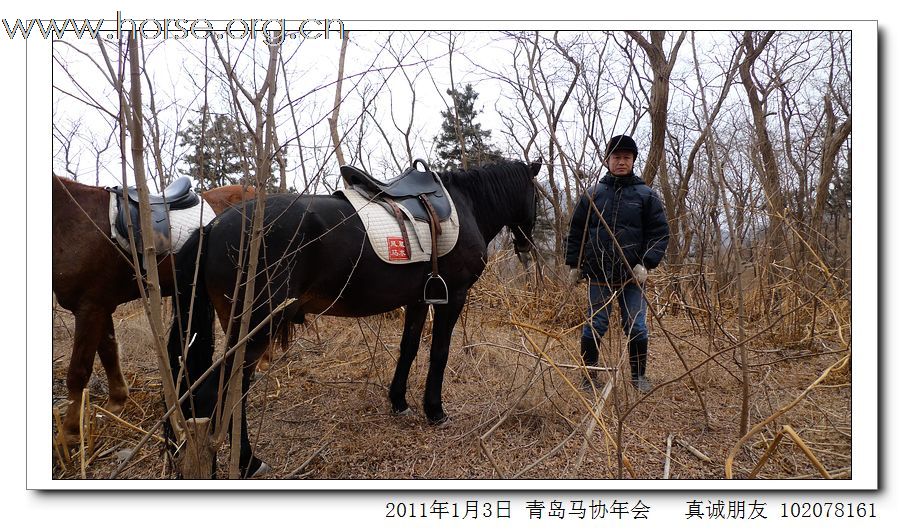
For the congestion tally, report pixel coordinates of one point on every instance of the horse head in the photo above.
(523, 227)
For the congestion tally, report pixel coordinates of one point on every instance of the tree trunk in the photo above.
(775, 204)
(659, 100)
(198, 455)
(834, 139)
(149, 252)
(334, 118)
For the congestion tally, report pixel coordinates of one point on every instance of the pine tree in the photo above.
(219, 156)
(478, 148)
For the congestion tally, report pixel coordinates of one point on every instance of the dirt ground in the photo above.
(321, 410)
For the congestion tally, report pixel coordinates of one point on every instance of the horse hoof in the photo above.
(71, 440)
(403, 413)
(115, 407)
(441, 423)
(262, 470)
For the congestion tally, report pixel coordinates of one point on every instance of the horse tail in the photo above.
(193, 318)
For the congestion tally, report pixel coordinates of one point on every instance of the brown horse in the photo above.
(92, 276)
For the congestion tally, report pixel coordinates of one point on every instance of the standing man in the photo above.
(632, 211)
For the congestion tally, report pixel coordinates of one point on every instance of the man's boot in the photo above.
(590, 353)
(638, 352)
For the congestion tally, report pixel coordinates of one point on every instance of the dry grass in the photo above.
(321, 410)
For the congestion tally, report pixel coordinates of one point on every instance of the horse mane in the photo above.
(492, 186)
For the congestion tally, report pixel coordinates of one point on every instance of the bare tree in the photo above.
(263, 134)
(662, 66)
(835, 135)
(754, 45)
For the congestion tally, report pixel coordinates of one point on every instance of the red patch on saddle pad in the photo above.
(397, 250)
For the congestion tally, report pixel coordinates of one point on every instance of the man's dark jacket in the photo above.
(634, 213)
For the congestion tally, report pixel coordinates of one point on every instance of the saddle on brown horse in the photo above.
(177, 196)
(422, 194)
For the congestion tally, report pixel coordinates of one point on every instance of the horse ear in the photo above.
(535, 167)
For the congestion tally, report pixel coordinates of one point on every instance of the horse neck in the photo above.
(495, 203)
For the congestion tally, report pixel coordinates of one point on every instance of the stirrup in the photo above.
(441, 286)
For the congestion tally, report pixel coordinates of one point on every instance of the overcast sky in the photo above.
(176, 71)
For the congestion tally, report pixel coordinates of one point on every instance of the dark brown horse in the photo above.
(92, 276)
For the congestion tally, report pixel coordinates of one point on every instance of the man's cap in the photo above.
(621, 142)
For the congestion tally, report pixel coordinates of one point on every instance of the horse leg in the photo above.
(415, 315)
(89, 329)
(446, 317)
(108, 351)
(206, 400)
(249, 465)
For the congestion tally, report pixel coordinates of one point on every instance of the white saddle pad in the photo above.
(385, 236)
(183, 224)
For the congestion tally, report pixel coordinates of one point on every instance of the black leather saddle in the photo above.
(177, 196)
(406, 189)
(422, 194)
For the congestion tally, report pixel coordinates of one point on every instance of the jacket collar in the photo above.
(627, 180)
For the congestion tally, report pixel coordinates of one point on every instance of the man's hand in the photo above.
(574, 276)
(640, 273)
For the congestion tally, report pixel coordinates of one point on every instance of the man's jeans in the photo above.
(632, 307)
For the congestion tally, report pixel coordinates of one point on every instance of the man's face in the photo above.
(621, 163)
